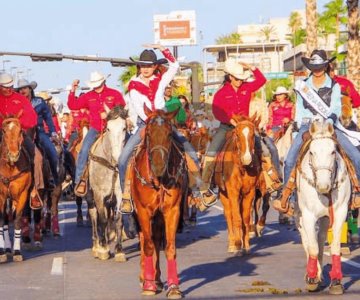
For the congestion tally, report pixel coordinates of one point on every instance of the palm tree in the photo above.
(311, 26)
(126, 75)
(267, 32)
(353, 59)
(298, 34)
(232, 38)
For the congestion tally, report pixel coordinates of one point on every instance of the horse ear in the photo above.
(147, 111)
(257, 122)
(314, 128)
(172, 114)
(19, 114)
(330, 128)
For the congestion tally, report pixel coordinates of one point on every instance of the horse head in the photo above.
(346, 111)
(244, 134)
(116, 129)
(200, 140)
(12, 137)
(322, 155)
(158, 139)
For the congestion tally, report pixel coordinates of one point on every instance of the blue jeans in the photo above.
(127, 151)
(294, 150)
(82, 159)
(351, 151)
(51, 154)
(74, 135)
(274, 153)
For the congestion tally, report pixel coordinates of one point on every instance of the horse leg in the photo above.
(158, 229)
(171, 218)
(254, 215)
(310, 243)
(37, 229)
(3, 256)
(322, 236)
(336, 275)
(55, 197)
(246, 206)
(79, 217)
(265, 208)
(25, 225)
(119, 253)
(17, 257)
(149, 286)
(103, 251)
(7, 234)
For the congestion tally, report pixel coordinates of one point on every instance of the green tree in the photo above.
(232, 38)
(267, 32)
(126, 75)
(298, 33)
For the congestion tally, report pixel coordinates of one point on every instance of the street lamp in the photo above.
(3, 62)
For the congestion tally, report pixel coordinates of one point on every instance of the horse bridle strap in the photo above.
(7, 180)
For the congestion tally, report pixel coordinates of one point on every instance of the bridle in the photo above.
(238, 142)
(10, 158)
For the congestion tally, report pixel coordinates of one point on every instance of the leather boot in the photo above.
(282, 203)
(127, 205)
(208, 196)
(272, 178)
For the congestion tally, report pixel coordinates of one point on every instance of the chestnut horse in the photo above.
(238, 173)
(157, 180)
(15, 181)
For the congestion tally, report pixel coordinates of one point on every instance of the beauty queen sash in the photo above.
(313, 99)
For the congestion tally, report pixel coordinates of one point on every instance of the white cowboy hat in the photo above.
(24, 83)
(235, 69)
(281, 90)
(6, 80)
(96, 79)
(45, 95)
(199, 112)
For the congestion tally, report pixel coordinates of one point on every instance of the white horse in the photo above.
(283, 145)
(323, 191)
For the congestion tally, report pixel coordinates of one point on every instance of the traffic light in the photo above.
(46, 57)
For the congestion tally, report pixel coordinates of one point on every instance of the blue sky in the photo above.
(114, 29)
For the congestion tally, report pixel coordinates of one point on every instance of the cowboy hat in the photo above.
(235, 69)
(281, 90)
(318, 60)
(96, 79)
(148, 57)
(45, 95)
(199, 112)
(24, 83)
(6, 80)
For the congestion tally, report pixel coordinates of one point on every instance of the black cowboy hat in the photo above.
(318, 60)
(148, 57)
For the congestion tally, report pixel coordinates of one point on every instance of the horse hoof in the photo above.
(3, 258)
(8, 252)
(149, 288)
(174, 292)
(247, 251)
(312, 284)
(103, 255)
(120, 257)
(259, 230)
(17, 257)
(38, 246)
(94, 252)
(148, 293)
(336, 288)
(252, 234)
(234, 249)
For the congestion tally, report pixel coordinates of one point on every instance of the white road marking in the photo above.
(218, 207)
(346, 261)
(57, 266)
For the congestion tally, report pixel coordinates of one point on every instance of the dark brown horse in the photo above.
(15, 181)
(157, 180)
(238, 172)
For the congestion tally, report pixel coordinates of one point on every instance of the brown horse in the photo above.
(15, 181)
(238, 172)
(157, 180)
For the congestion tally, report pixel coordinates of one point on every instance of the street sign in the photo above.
(276, 75)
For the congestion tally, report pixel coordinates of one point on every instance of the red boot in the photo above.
(55, 225)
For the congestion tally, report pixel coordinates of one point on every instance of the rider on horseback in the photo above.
(148, 89)
(95, 101)
(13, 103)
(329, 92)
(43, 112)
(233, 98)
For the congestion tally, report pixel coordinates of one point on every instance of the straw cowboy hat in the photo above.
(281, 90)
(45, 95)
(148, 57)
(96, 79)
(235, 69)
(6, 80)
(24, 83)
(318, 60)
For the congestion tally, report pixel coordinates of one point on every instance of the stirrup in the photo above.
(81, 193)
(35, 200)
(123, 209)
(203, 205)
(288, 210)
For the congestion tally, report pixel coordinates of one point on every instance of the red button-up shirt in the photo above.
(278, 112)
(15, 103)
(94, 102)
(228, 102)
(348, 88)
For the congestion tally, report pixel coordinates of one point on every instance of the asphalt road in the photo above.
(65, 269)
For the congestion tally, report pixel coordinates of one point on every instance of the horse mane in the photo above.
(116, 112)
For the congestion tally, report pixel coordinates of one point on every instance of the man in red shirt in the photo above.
(233, 98)
(95, 102)
(12, 103)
